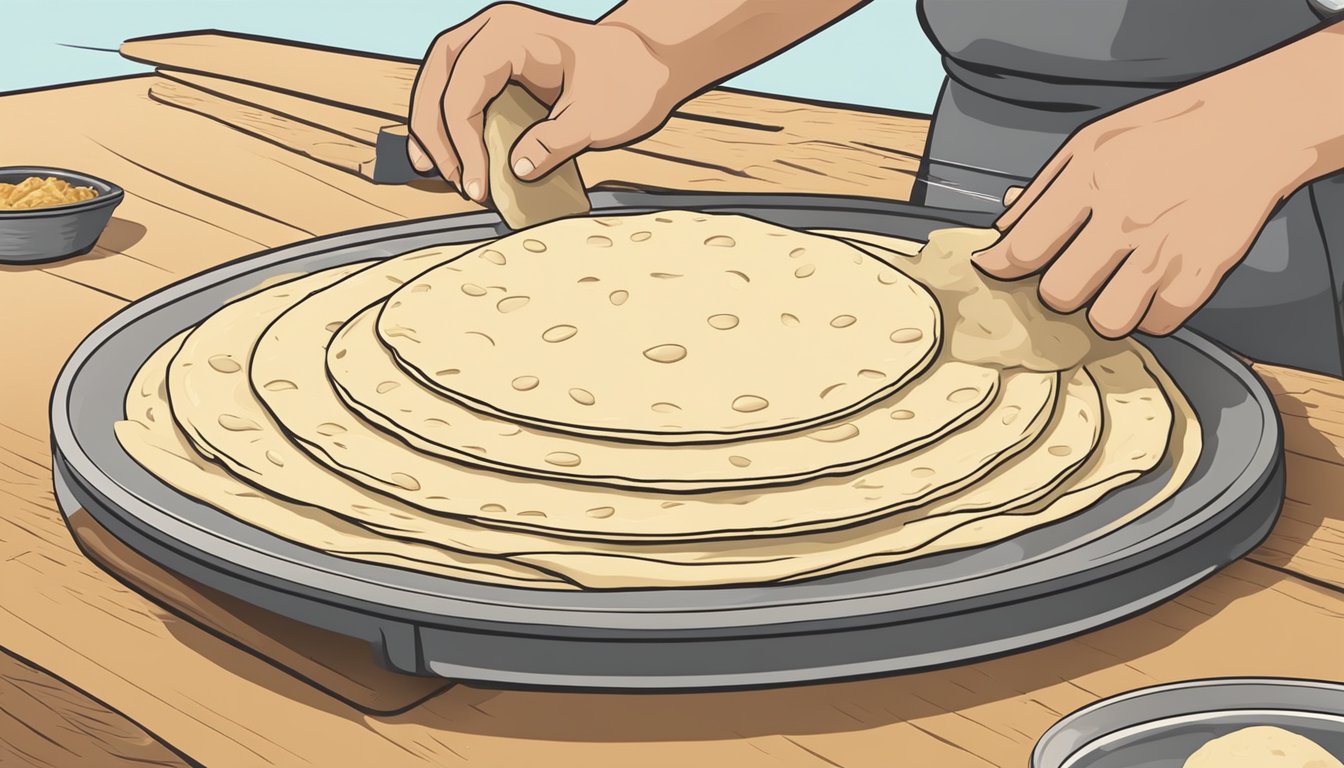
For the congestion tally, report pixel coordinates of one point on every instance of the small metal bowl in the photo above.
(1162, 727)
(35, 235)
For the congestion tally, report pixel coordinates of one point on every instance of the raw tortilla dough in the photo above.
(988, 321)
(612, 326)
(526, 203)
(1262, 746)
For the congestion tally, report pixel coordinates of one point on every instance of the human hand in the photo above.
(1142, 213)
(606, 88)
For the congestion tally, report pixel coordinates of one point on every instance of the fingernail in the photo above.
(989, 260)
(419, 161)
(473, 190)
(523, 168)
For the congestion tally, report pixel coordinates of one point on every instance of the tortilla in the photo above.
(372, 386)
(150, 437)
(366, 494)
(1038, 488)
(755, 560)
(362, 371)
(1147, 421)
(615, 327)
(321, 426)
(945, 525)
(636, 566)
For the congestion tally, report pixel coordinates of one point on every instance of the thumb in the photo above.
(416, 154)
(544, 146)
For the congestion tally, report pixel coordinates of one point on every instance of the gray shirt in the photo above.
(1024, 74)
(1145, 42)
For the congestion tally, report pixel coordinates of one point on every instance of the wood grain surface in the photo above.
(351, 123)
(46, 723)
(381, 85)
(760, 144)
(341, 666)
(200, 193)
(320, 144)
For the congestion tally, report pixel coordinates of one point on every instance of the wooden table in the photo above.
(95, 673)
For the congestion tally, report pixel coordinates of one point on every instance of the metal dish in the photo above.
(1054, 582)
(35, 235)
(1161, 727)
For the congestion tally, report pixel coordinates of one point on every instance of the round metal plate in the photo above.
(1056, 581)
(1161, 727)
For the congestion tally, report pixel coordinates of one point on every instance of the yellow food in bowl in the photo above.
(36, 192)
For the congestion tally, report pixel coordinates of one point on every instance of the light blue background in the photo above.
(878, 56)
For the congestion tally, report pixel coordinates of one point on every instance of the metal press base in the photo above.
(1060, 580)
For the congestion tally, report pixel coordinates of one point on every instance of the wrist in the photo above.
(679, 83)
(1292, 110)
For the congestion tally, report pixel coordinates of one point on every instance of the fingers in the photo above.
(1027, 198)
(1165, 315)
(549, 143)
(1011, 195)
(1080, 271)
(1035, 240)
(415, 153)
(478, 76)
(1128, 295)
(1153, 289)
(1183, 294)
(1159, 288)
(426, 125)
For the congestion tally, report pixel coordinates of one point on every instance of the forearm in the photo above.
(705, 41)
(1292, 105)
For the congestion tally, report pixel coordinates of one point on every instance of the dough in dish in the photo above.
(288, 410)
(1262, 746)
(614, 326)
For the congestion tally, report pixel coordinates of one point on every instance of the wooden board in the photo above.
(1309, 538)
(341, 666)
(753, 166)
(44, 722)
(377, 85)
(325, 146)
(222, 705)
(762, 144)
(351, 123)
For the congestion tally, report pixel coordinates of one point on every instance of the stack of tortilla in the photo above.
(675, 399)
